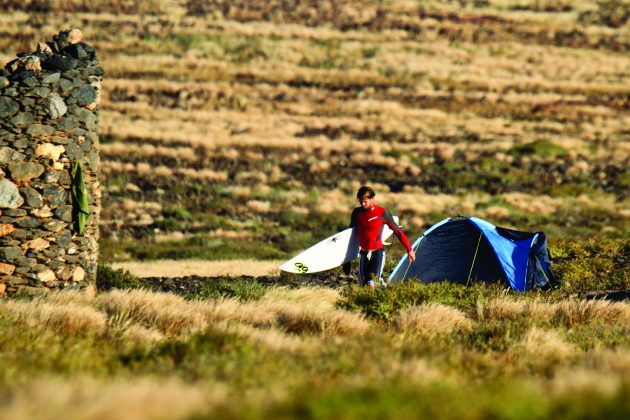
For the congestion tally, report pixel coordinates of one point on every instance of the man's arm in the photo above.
(389, 221)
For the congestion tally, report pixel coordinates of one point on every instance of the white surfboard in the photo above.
(329, 253)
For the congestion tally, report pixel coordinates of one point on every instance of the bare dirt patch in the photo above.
(183, 268)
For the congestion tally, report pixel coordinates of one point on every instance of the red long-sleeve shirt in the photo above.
(370, 224)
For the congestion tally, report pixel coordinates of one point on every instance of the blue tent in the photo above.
(469, 250)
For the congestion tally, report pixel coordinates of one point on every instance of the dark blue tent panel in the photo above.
(469, 250)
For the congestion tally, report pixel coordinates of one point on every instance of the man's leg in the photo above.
(379, 262)
(364, 269)
(374, 267)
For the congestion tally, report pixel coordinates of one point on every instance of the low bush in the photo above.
(611, 13)
(597, 264)
(540, 148)
(243, 289)
(384, 303)
(109, 278)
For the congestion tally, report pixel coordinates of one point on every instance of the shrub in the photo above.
(384, 303)
(168, 224)
(108, 278)
(612, 13)
(240, 288)
(495, 335)
(176, 212)
(597, 264)
(540, 148)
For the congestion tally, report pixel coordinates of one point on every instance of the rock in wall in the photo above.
(49, 101)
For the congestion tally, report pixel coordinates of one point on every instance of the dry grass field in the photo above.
(240, 130)
(295, 353)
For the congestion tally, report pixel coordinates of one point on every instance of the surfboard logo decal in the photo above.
(301, 267)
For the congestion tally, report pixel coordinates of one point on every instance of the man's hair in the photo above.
(365, 191)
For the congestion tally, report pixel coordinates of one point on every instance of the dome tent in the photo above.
(470, 250)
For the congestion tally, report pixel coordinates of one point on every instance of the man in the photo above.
(370, 220)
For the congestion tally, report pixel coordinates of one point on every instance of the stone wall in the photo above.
(48, 123)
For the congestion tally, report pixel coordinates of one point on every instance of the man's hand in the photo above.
(412, 255)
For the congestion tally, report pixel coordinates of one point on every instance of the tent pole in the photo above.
(474, 258)
(409, 265)
(542, 270)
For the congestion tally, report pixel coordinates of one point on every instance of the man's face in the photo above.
(366, 202)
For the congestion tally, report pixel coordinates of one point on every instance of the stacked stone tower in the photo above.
(49, 164)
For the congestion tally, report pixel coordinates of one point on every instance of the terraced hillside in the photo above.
(245, 127)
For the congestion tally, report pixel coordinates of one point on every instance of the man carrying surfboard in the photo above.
(370, 220)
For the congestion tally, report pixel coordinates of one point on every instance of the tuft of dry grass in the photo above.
(222, 310)
(275, 339)
(544, 347)
(320, 297)
(138, 334)
(582, 380)
(168, 313)
(258, 206)
(431, 320)
(572, 312)
(86, 398)
(569, 312)
(66, 318)
(508, 309)
(300, 319)
(418, 370)
(83, 297)
(612, 361)
(308, 311)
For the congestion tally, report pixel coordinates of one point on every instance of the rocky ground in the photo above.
(192, 284)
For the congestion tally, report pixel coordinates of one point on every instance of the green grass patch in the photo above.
(539, 148)
(242, 289)
(591, 265)
(515, 399)
(110, 278)
(384, 303)
(591, 336)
